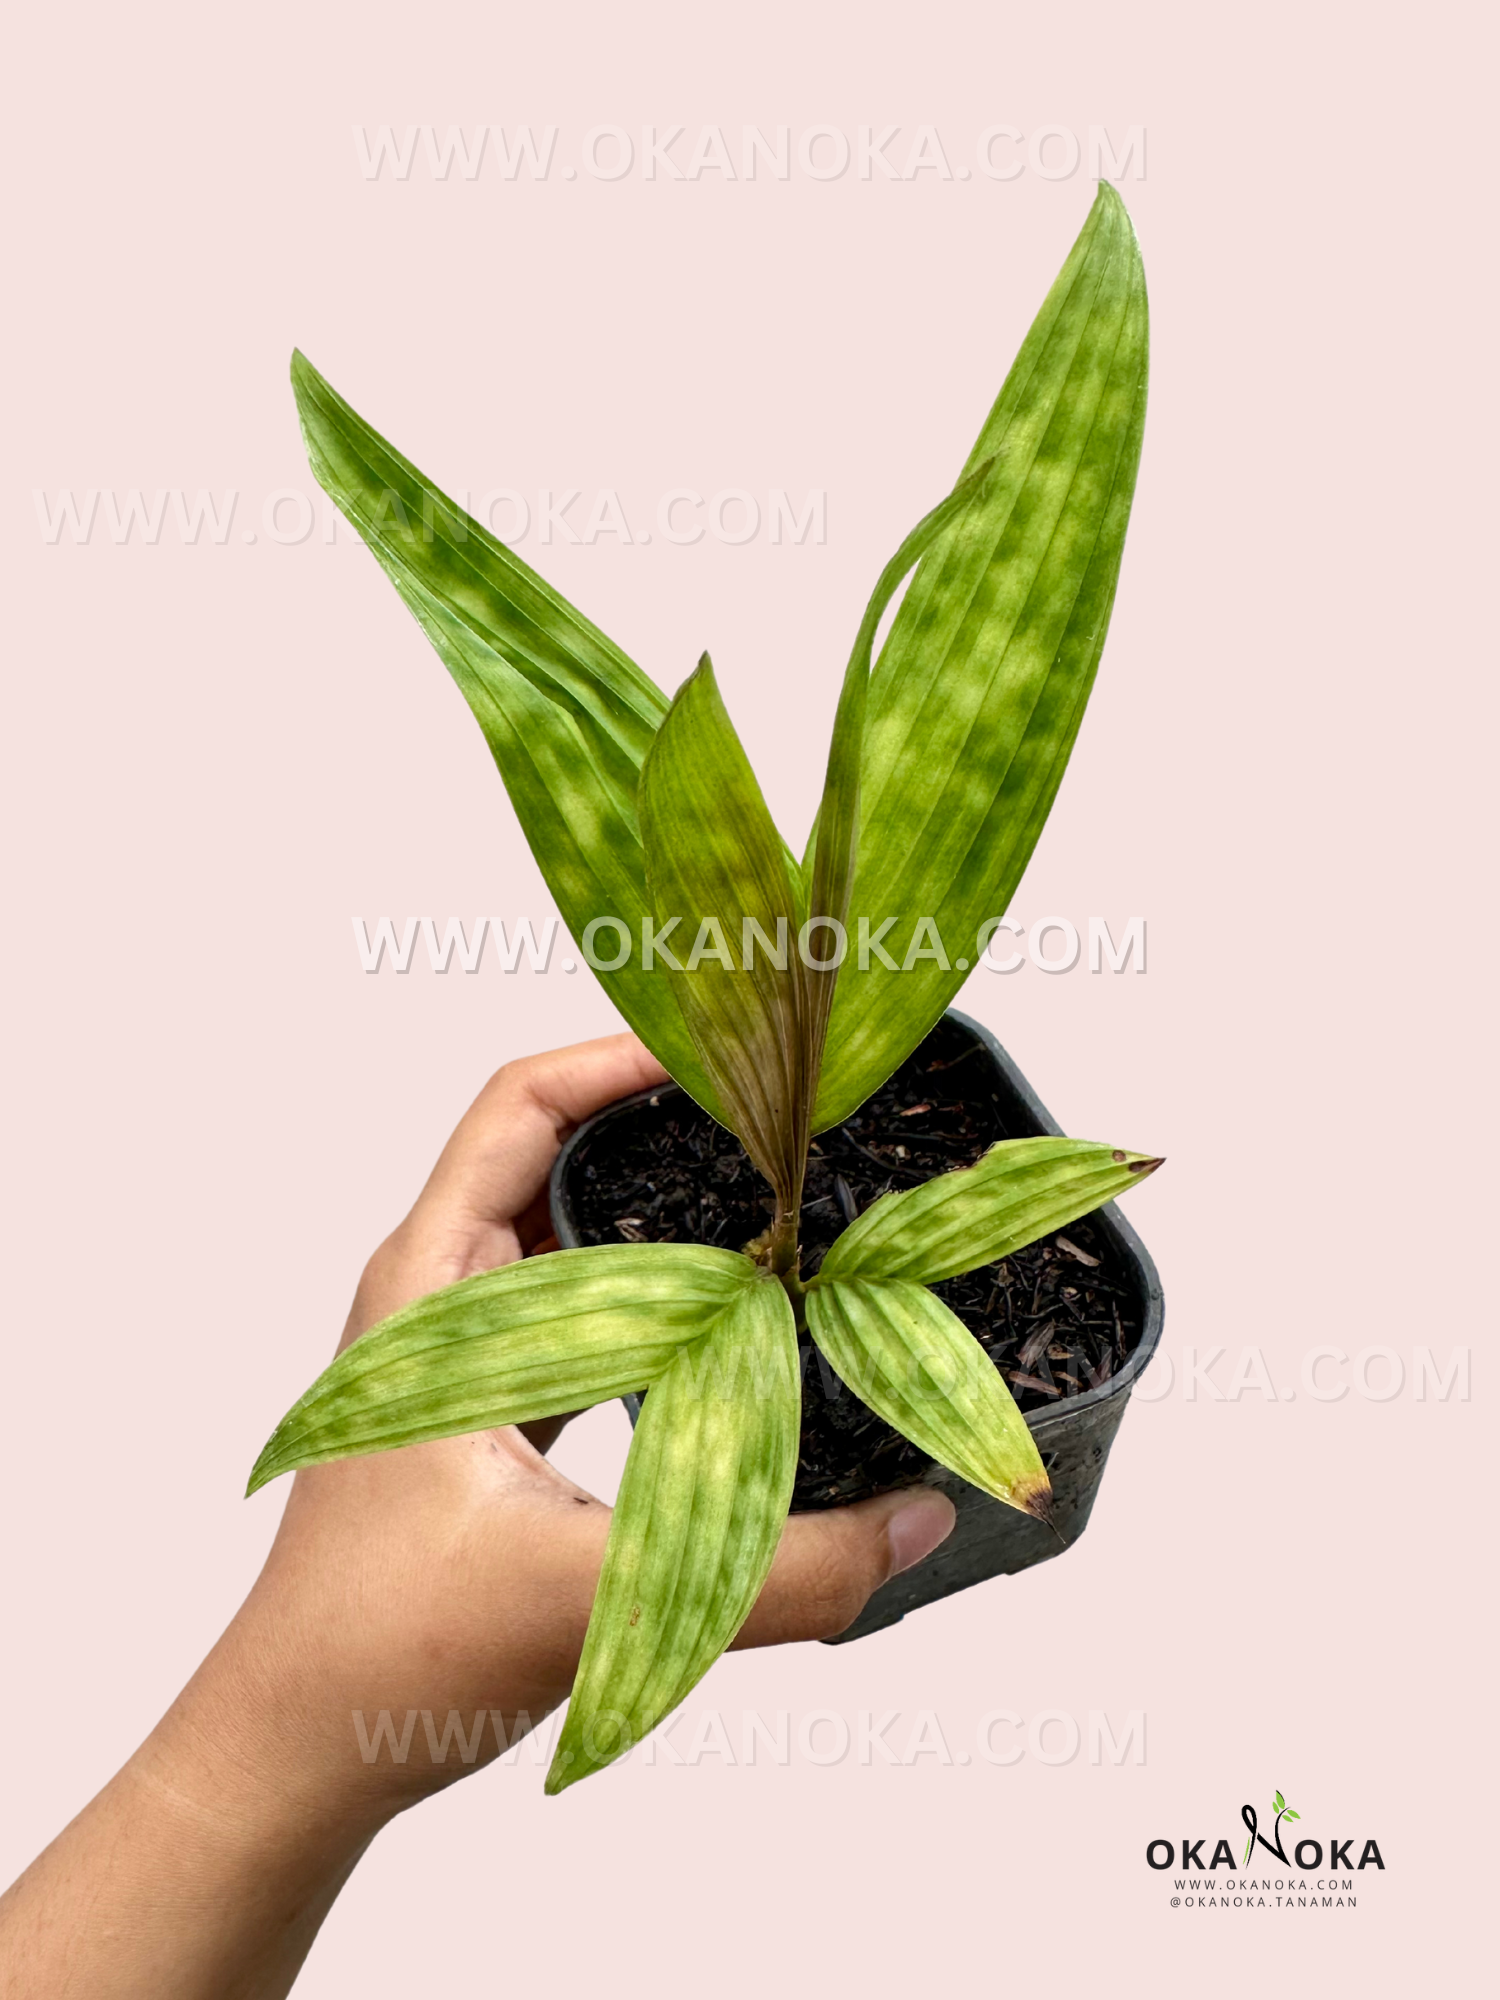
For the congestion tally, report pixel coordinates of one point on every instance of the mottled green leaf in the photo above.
(979, 691)
(422, 538)
(714, 863)
(567, 717)
(528, 1340)
(1020, 1190)
(700, 1511)
(828, 865)
(917, 1365)
(587, 848)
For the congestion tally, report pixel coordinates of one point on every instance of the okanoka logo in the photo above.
(1331, 1857)
(1318, 1874)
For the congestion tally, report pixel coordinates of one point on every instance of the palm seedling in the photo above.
(776, 991)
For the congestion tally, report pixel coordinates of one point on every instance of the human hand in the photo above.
(443, 1577)
(458, 1576)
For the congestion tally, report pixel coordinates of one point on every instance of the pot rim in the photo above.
(1038, 1421)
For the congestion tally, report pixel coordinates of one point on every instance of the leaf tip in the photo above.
(263, 1471)
(1144, 1164)
(559, 1776)
(304, 375)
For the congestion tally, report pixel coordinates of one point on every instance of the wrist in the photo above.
(203, 1869)
(261, 1745)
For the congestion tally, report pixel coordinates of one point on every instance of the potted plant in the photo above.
(781, 994)
(1070, 1320)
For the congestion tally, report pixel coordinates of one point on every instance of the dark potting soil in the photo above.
(1056, 1318)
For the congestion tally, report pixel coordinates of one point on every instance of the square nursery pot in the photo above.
(685, 1179)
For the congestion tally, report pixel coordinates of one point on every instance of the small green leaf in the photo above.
(917, 1365)
(1020, 1190)
(529, 1340)
(979, 691)
(701, 1508)
(1280, 1802)
(714, 860)
(1287, 1813)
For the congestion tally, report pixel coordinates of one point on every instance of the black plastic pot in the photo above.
(1074, 1438)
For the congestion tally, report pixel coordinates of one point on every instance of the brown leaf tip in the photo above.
(1039, 1506)
(1144, 1167)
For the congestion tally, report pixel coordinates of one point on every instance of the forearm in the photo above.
(201, 1872)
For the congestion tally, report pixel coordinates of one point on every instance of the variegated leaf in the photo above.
(716, 865)
(700, 1511)
(917, 1365)
(828, 865)
(1020, 1190)
(567, 717)
(979, 691)
(528, 1340)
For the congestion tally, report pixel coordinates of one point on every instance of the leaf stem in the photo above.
(782, 1250)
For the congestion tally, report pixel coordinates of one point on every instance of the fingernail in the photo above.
(916, 1530)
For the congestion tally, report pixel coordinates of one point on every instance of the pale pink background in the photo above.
(215, 755)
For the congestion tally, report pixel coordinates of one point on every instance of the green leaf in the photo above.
(567, 717)
(528, 1340)
(917, 1365)
(588, 849)
(979, 691)
(701, 1508)
(422, 539)
(713, 861)
(1020, 1190)
(1287, 1813)
(1280, 1802)
(828, 865)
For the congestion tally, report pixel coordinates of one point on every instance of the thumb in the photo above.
(828, 1564)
